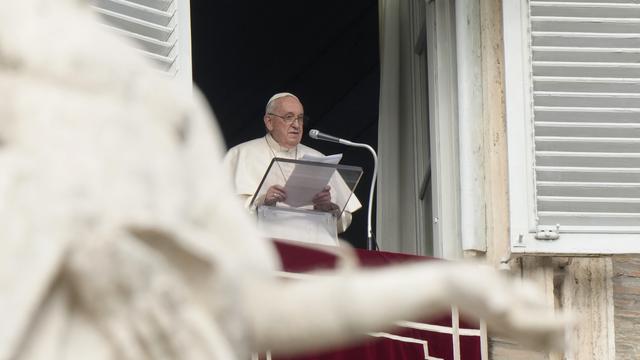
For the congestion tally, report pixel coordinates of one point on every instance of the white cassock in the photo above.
(247, 163)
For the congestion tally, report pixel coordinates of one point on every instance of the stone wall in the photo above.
(626, 297)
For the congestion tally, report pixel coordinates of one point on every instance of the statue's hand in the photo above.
(512, 308)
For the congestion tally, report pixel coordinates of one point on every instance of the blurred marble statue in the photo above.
(120, 238)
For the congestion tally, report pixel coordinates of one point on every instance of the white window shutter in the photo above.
(573, 118)
(160, 30)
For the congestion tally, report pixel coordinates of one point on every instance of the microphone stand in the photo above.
(370, 239)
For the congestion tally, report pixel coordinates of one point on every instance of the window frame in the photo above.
(520, 142)
(443, 123)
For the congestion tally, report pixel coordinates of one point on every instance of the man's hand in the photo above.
(275, 194)
(322, 201)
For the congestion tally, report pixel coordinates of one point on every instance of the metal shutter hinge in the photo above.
(548, 232)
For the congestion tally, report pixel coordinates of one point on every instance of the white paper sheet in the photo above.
(306, 181)
(329, 159)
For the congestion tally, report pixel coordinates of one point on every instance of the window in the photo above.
(573, 119)
(160, 30)
(418, 203)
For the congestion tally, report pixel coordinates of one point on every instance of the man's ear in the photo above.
(267, 122)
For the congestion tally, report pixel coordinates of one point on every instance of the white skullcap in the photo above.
(278, 96)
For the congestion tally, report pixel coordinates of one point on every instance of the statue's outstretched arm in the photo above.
(332, 309)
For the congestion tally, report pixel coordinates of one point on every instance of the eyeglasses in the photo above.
(290, 118)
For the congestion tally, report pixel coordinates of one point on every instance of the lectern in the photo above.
(295, 218)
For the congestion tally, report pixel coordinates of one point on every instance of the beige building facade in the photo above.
(531, 151)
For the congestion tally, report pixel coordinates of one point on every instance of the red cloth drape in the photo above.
(439, 345)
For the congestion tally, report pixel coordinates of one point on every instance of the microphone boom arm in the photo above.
(371, 189)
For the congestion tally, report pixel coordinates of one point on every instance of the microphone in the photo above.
(316, 134)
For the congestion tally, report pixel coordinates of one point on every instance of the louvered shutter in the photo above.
(159, 29)
(580, 67)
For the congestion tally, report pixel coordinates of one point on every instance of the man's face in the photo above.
(286, 134)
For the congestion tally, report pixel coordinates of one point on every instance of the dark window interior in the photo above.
(325, 52)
